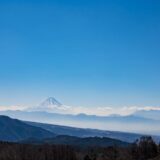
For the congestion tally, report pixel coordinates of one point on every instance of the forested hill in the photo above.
(79, 142)
(14, 130)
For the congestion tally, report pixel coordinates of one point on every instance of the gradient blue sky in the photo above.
(84, 53)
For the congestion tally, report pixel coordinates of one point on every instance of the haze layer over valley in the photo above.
(54, 112)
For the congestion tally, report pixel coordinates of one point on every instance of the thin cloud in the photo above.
(12, 108)
(99, 111)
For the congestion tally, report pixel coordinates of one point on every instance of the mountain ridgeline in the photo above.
(54, 112)
(13, 130)
(83, 133)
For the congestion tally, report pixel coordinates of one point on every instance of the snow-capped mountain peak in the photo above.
(50, 102)
(49, 105)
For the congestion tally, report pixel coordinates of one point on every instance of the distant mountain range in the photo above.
(152, 114)
(115, 123)
(16, 130)
(53, 112)
(83, 133)
(13, 130)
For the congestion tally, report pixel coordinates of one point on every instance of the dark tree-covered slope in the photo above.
(15, 130)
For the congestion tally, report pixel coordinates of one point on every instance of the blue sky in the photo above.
(84, 53)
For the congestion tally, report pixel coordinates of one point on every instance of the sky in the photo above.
(94, 53)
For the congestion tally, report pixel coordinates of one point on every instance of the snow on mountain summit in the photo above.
(50, 105)
(51, 102)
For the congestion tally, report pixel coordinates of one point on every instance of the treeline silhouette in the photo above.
(13, 151)
(143, 149)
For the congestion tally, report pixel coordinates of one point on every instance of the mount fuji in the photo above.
(50, 105)
(51, 102)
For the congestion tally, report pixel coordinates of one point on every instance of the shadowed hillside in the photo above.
(79, 142)
(15, 130)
